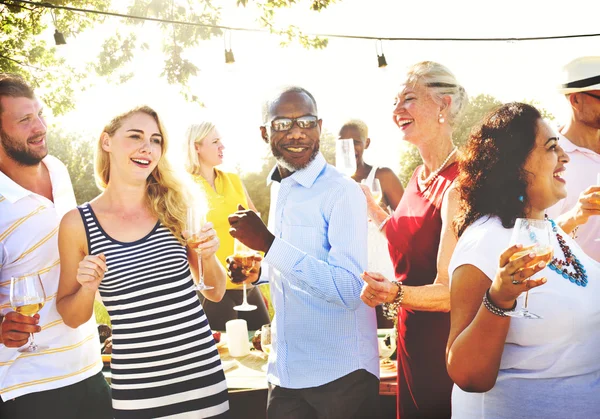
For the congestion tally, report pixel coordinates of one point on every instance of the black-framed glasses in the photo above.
(592, 95)
(286, 124)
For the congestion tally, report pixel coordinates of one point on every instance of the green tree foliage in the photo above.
(255, 182)
(78, 155)
(477, 108)
(22, 51)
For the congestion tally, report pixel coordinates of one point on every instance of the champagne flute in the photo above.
(536, 237)
(27, 297)
(265, 338)
(345, 160)
(194, 222)
(244, 257)
(375, 188)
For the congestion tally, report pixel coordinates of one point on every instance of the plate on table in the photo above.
(387, 369)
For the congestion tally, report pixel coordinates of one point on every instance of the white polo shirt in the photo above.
(581, 173)
(29, 234)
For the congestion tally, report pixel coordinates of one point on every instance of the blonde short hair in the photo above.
(360, 126)
(195, 134)
(166, 195)
(440, 82)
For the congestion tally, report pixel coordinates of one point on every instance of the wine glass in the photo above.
(265, 338)
(345, 160)
(194, 222)
(375, 188)
(27, 297)
(244, 257)
(536, 237)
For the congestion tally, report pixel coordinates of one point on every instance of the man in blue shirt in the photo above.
(324, 361)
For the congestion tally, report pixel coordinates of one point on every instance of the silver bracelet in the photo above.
(390, 310)
(384, 222)
(493, 308)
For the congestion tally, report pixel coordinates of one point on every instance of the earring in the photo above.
(441, 119)
(521, 198)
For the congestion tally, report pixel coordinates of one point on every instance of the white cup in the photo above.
(237, 337)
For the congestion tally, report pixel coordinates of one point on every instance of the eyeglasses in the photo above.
(592, 95)
(286, 124)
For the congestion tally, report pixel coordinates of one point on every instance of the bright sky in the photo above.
(344, 77)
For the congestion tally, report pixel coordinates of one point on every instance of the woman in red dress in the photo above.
(421, 241)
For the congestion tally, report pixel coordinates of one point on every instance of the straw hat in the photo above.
(580, 75)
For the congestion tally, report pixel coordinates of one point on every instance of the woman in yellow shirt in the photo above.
(224, 191)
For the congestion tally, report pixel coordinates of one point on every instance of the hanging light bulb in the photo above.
(59, 38)
(228, 52)
(381, 62)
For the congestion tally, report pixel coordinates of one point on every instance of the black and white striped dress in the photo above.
(164, 359)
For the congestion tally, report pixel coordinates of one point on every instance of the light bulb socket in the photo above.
(59, 38)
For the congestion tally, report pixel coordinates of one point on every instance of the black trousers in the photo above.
(89, 399)
(354, 396)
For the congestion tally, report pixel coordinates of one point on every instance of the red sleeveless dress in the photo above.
(413, 233)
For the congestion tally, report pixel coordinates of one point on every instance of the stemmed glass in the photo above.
(265, 338)
(194, 222)
(27, 297)
(375, 188)
(244, 257)
(536, 237)
(345, 161)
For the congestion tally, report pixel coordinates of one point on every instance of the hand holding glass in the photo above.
(375, 188)
(244, 257)
(195, 221)
(27, 297)
(536, 237)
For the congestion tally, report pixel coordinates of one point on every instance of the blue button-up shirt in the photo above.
(322, 330)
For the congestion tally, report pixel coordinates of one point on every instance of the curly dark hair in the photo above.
(492, 180)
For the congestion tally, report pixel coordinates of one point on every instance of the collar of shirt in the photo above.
(14, 192)
(305, 177)
(569, 147)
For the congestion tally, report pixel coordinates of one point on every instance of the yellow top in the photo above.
(221, 203)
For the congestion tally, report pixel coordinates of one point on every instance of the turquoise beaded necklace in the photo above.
(579, 277)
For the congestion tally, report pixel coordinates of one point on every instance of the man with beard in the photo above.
(324, 358)
(64, 378)
(580, 139)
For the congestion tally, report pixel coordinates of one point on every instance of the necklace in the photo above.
(433, 175)
(579, 277)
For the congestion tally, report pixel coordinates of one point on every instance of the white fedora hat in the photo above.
(580, 75)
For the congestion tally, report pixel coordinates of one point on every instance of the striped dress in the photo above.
(164, 359)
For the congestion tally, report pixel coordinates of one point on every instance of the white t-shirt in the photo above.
(550, 368)
(581, 173)
(29, 234)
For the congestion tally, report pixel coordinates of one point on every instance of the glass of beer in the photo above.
(194, 222)
(536, 237)
(244, 258)
(27, 297)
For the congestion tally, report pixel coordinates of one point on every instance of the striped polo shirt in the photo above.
(29, 235)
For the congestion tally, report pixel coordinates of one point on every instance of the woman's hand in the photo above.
(512, 278)
(377, 289)
(206, 242)
(90, 272)
(373, 208)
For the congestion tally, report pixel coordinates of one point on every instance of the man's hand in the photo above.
(239, 274)
(587, 205)
(247, 227)
(16, 328)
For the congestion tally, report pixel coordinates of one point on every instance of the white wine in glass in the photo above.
(345, 160)
(375, 188)
(27, 297)
(194, 222)
(244, 258)
(536, 237)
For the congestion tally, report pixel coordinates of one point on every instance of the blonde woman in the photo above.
(224, 191)
(128, 244)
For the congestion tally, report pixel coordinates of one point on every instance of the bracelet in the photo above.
(384, 222)
(390, 310)
(494, 309)
(574, 232)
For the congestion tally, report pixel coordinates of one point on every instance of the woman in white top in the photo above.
(507, 367)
